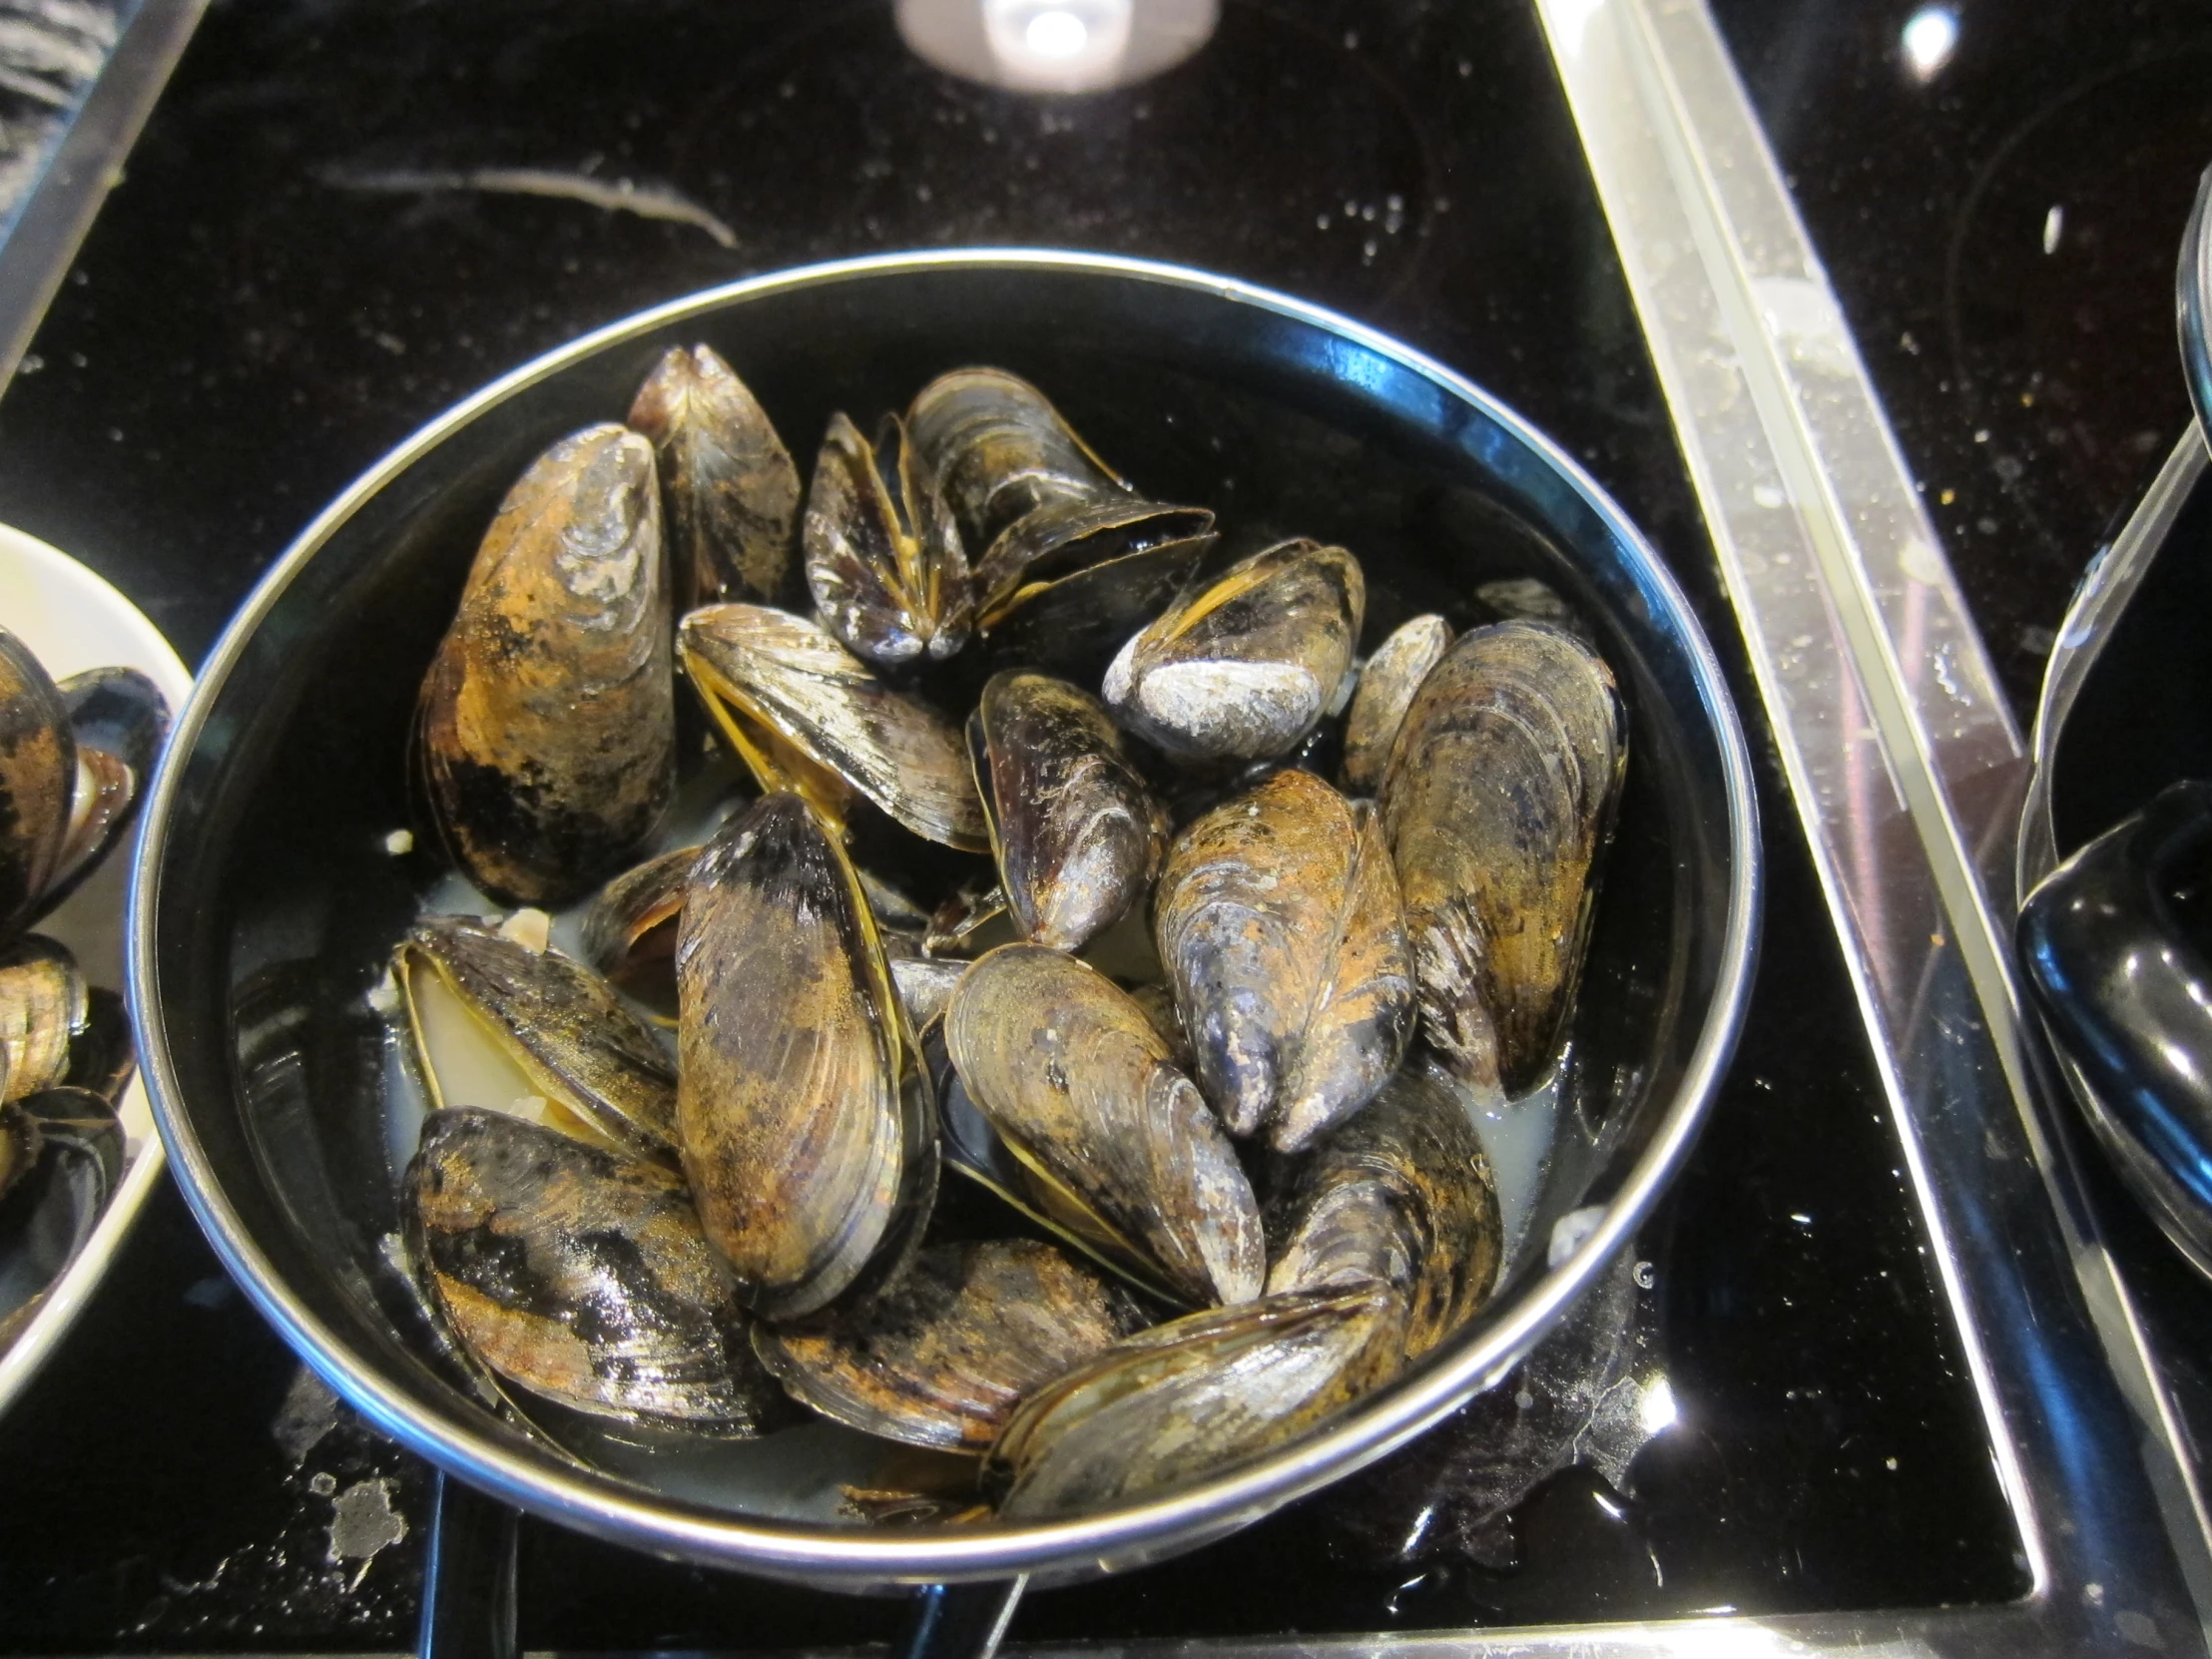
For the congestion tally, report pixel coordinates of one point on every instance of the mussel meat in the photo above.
(1400, 1193)
(804, 1110)
(558, 1024)
(1077, 835)
(731, 490)
(806, 715)
(1279, 921)
(1245, 668)
(581, 1276)
(883, 558)
(1194, 1398)
(1080, 1087)
(942, 1357)
(1499, 797)
(548, 718)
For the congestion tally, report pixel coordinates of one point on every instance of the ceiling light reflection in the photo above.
(1056, 45)
(1931, 36)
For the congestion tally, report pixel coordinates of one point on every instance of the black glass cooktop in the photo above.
(2016, 312)
(319, 247)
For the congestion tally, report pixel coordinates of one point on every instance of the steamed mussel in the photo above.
(943, 1359)
(732, 493)
(1210, 946)
(548, 719)
(803, 1108)
(1278, 922)
(75, 756)
(581, 1276)
(884, 557)
(1498, 799)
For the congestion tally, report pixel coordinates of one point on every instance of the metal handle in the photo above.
(2129, 998)
(468, 1576)
(960, 1621)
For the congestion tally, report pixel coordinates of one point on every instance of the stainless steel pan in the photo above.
(265, 898)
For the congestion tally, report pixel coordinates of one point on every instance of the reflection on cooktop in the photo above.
(338, 223)
(2005, 255)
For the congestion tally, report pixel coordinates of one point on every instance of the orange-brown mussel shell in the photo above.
(548, 719)
(1499, 797)
(1278, 922)
(1078, 836)
(942, 1357)
(731, 487)
(803, 1111)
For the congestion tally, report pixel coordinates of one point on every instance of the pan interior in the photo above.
(277, 898)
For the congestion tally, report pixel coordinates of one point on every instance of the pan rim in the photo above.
(1116, 1539)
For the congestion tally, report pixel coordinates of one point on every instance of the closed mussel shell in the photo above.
(805, 1113)
(1246, 667)
(806, 715)
(1401, 1193)
(1387, 686)
(1080, 1088)
(1194, 1398)
(883, 558)
(731, 487)
(561, 1025)
(581, 1276)
(1498, 799)
(45, 1006)
(38, 778)
(1077, 835)
(942, 1357)
(1278, 922)
(548, 718)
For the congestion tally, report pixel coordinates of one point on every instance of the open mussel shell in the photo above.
(1073, 624)
(117, 717)
(803, 1108)
(969, 919)
(1403, 1194)
(1244, 668)
(730, 489)
(547, 738)
(572, 1038)
(808, 716)
(1081, 1089)
(942, 1357)
(999, 451)
(1077, 835)
(629, 932)
(1387, 686)
(883, 558)
(74, 1149)
(45, 1013)
(1278, 922)
(1193, 1398)
(579, 1275)
(1497, 799)
(38, 783)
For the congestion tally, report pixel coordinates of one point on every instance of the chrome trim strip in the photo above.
(1123, 1539)
(86, 165)
(1905, 766)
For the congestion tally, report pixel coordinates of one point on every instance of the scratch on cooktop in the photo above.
(614, 195)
